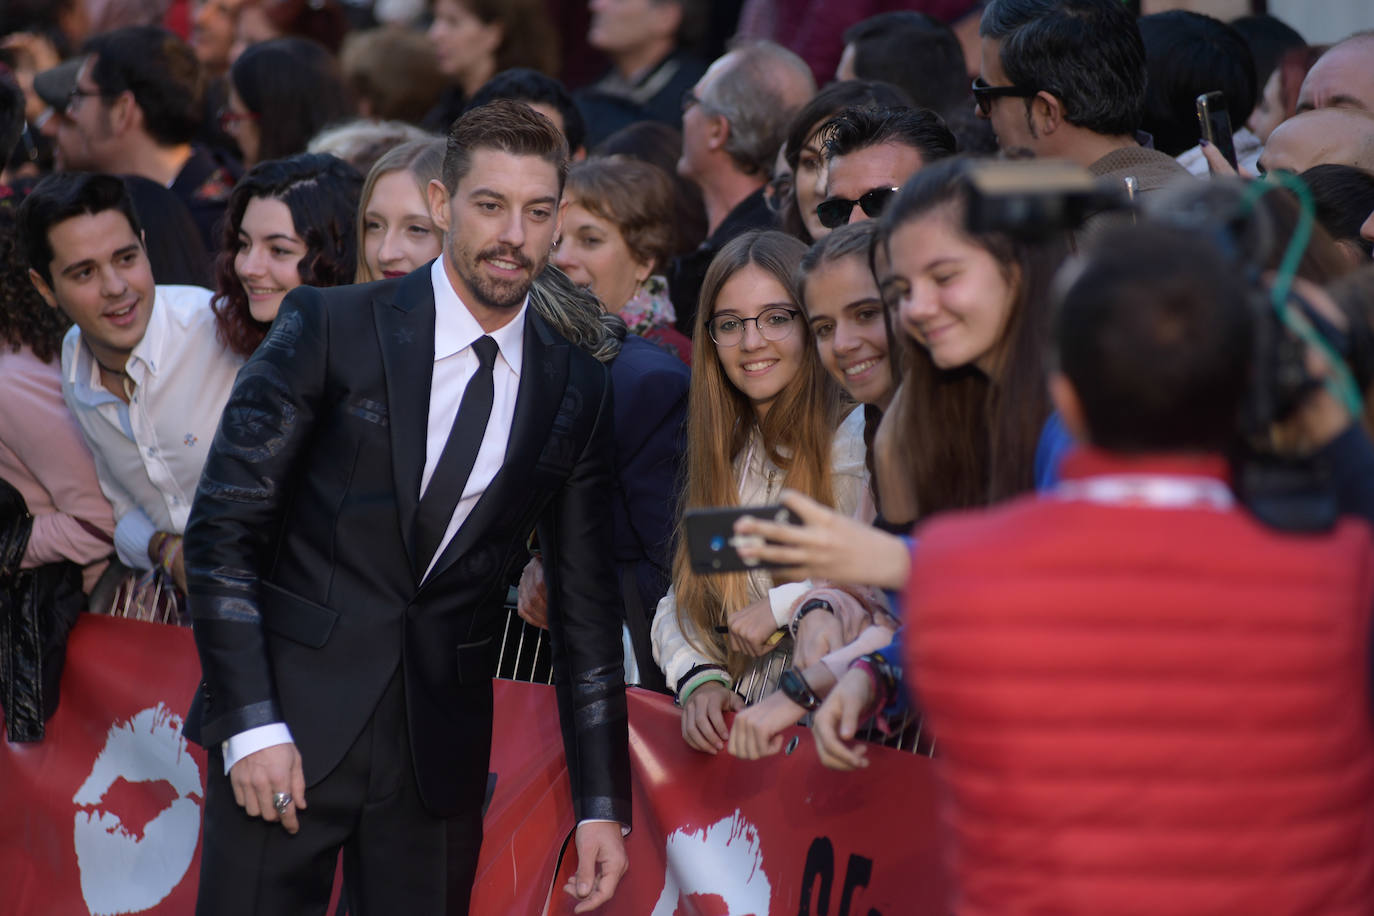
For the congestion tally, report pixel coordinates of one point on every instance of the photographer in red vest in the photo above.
(1145, 701)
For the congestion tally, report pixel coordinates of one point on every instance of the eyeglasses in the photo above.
(230, 119)
(774, 323)
(75, 96)
(690, 98)
(834, 213)
(983, 94)
(778, 191)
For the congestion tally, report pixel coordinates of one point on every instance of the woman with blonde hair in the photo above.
(762, 414)
(395, 232)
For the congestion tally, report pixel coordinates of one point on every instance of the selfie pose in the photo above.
(762, 414)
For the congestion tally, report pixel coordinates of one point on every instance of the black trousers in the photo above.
(397, 856)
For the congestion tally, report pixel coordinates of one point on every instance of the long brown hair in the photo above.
(970, 438)
(797, 432)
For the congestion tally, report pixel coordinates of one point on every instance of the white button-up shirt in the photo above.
(149, 452)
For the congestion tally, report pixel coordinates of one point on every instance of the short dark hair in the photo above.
(11, 117)
(855, 129)
(1268, 38)
(1344, 197)
(914, 51)
(321, 191)
(522, 84)
(1187, 54)
(1086, 53)
(161, 71)
(294, 87)
(63, 196)
(1155, 334)
(829, 102)
(511, 127)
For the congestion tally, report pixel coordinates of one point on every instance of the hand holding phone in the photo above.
(1215, 124)
(712, 544)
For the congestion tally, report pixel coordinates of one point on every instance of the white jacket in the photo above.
(760, 482)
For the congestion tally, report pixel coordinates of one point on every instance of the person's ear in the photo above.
(558, 221)
(1066, 401)
(1047, 112)
(125, 114)
(43, 288)
(717, 132)
(438, 199)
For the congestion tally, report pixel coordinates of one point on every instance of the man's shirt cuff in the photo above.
(241, 745)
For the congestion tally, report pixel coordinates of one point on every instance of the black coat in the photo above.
(302, 591)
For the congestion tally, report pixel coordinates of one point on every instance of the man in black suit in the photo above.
(345, 609)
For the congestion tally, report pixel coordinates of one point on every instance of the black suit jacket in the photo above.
(302, 592)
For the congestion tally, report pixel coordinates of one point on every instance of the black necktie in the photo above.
(445, 488)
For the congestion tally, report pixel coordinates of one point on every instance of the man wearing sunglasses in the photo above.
(133, 105)
(1066, 79)
(870, 153)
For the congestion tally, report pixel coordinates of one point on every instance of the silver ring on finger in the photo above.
(281, 801)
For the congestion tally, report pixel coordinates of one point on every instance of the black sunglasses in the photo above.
(834, 213)
(983, 94)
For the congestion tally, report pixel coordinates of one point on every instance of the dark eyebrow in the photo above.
(119, 252)
(488, 192)
(73, 268)
(866, 300)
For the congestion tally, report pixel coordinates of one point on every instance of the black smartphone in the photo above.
(1215, 124)
(711, 538)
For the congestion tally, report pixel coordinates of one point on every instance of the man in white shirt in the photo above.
(382, 460)
(142, 370)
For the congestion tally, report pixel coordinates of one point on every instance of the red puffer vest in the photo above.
(1147, 710)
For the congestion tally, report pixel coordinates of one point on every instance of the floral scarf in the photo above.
(649, 307)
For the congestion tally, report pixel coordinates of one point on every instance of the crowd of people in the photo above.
(1068, 410)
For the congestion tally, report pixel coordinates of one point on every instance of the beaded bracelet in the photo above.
(815, 604)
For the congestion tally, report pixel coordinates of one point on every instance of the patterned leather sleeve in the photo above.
(584, 622)
(237, 511)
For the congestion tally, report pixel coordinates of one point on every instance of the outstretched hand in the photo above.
(601, 863)
(827, 545)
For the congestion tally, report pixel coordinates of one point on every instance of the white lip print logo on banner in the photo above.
(127, 867)
(724, 861)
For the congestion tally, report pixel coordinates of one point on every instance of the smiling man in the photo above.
(142, 371)
(381, 463)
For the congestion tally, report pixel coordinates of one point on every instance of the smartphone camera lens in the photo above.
(717, 544)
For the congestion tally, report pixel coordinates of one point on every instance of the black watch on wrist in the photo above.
(815, 604)
(795, 688)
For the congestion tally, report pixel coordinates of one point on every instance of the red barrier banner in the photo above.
(716, 836)
(104, 815)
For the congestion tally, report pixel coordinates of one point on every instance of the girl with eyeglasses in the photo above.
(763, 414)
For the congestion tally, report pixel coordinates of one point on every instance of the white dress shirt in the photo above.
(455, 363)
(149, 452)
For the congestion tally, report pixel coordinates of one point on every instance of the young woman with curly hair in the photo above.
(289, 223)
